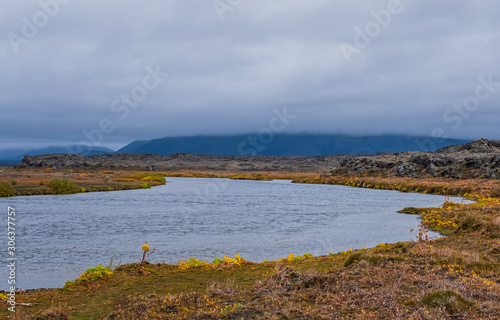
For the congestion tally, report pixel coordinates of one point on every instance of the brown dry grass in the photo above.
(36, 181)
(454, 277)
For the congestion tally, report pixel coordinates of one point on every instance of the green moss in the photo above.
(449, 300)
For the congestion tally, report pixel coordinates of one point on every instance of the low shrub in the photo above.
(413, 210)
(353, 258)
(91, 274)
(154, 178)
(374, 259)
(138, 175)
(149, 177)
(449, 300)
(63, 186)
(6, 190)
(228, 262)
(191, 263)
(146, 185)
(470, 223)
(59, 313)
(291, 257)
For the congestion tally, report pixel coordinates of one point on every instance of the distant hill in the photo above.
(10, 156)
(478, 159)
(305, 145)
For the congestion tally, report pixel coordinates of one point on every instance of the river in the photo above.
(58, 237)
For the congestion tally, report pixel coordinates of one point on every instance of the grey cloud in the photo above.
(226, 77)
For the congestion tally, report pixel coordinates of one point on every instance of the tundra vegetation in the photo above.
(453, 277)
(26, 182)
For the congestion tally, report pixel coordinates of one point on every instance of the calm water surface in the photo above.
(58, 237)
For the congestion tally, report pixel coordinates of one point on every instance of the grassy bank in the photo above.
(26, 182)
(455, 277)
(446, 187)
(450, 187)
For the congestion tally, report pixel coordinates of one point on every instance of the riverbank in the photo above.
(453, 277)
(23, 182)
(26, 182)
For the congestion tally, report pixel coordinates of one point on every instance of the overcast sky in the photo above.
(355, 67)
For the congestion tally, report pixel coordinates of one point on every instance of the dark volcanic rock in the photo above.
(478, 146)
(477, 159)
(176, 162)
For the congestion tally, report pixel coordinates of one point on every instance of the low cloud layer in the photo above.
(116, 71)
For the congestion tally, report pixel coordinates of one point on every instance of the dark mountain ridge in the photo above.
(304, 145)
(16, 155)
